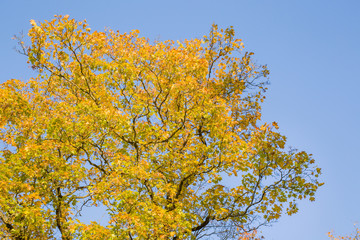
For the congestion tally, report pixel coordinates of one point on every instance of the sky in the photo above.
(312, 50)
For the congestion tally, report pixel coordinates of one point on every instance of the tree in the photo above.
(165, 135)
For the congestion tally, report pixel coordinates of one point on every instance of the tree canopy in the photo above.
(167, 136)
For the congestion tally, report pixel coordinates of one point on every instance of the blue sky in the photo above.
(312, 50)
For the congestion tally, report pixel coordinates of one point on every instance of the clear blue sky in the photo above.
(313, 53)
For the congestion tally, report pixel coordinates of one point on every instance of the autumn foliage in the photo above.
(354, 236)
(164, 135)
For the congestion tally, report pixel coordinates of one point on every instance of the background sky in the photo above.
(312, 50)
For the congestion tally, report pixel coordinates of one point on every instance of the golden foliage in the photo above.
(354, 236)
(155, 132)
